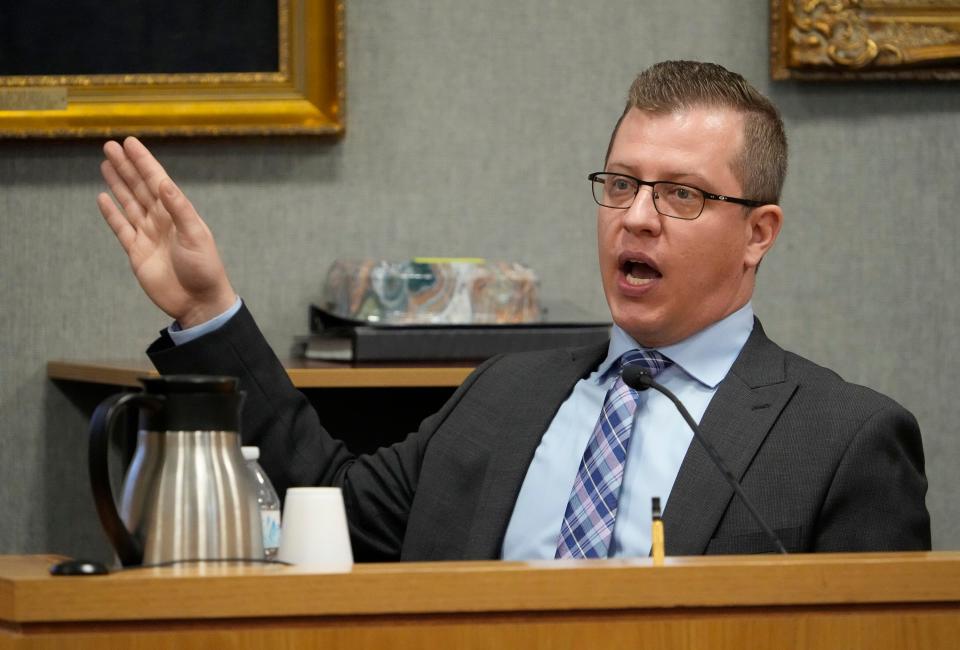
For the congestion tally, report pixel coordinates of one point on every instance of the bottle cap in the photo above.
(250, 453)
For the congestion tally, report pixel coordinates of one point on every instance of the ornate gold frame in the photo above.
(306, 95)
(865, 39)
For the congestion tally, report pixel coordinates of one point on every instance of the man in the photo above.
(548, 454)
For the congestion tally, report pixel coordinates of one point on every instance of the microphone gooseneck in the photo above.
(637, 378)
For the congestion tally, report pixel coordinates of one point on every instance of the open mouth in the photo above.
(639, 273)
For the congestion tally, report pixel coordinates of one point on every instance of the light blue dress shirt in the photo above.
(179, 336)
(657, 446)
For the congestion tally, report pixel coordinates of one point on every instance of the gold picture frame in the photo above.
(306, 95)
(865, 39)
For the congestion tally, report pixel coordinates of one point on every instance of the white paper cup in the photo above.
(314, 533)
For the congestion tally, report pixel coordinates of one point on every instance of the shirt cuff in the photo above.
(181, 336)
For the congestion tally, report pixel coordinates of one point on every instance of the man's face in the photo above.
(665, 278)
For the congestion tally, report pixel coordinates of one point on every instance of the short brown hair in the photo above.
(671, 85)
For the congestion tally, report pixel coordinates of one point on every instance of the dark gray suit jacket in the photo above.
(831, 466)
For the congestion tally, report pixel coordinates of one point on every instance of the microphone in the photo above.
(637, 378)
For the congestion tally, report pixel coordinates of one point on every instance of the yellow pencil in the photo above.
(656, 534)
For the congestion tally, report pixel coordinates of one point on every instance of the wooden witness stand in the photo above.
(863, 601)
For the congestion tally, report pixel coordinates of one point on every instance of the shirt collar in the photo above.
(706, 356)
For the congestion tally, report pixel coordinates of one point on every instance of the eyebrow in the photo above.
(688, 177)
(691, 178)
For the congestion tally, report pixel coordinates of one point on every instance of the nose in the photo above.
(642, 216)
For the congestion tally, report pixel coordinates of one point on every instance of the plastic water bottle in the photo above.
(269, 503)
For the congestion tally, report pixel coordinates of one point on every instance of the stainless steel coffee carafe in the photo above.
(188, 494)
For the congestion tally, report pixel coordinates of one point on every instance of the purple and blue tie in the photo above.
(592, 509)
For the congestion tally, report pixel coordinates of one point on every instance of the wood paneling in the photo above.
(875, 601)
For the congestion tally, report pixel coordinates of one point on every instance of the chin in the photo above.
(642, 328)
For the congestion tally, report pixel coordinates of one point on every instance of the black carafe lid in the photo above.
(192, 403)
(169, 384)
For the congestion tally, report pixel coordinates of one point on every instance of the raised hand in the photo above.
(171, 250)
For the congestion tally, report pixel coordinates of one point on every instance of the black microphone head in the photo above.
(636, 377)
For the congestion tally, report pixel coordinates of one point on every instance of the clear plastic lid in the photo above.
(434, 291)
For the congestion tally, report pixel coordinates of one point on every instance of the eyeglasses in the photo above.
(669, 199)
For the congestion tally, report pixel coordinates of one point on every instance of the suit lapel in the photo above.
(548, 385)
(738, 419)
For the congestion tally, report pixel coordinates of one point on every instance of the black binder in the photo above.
(334, 338)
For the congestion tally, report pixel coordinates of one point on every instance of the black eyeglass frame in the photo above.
(593, 178)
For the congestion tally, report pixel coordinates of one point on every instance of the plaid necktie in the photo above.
(592, 508)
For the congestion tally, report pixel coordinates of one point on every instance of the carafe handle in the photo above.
(102, 426)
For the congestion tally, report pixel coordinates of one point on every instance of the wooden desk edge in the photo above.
(28, 594)
(302, 374)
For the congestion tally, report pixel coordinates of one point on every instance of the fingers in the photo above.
(135, 181)
(117, 222)
(185, 218)
(150, 201)
(122, 193)
(147, 167)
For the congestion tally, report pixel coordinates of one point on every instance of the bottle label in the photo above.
(270, 521)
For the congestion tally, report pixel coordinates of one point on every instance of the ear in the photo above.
(764, 225)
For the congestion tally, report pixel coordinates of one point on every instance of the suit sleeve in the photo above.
(295, 449)
(876, 499)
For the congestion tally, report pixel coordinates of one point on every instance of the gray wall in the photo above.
(471, 127)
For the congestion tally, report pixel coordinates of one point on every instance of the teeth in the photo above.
(629, 262)
(637, 282)
(645, 274)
